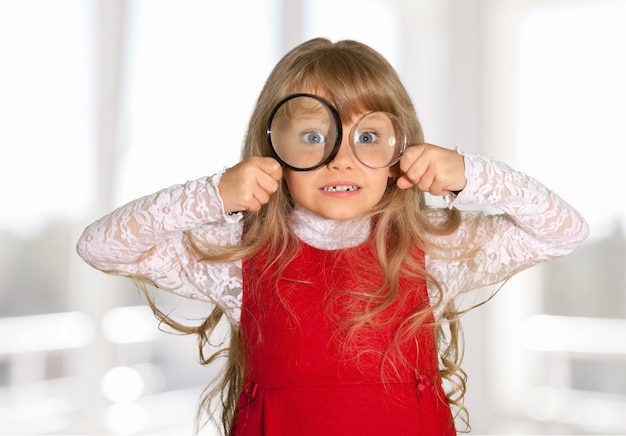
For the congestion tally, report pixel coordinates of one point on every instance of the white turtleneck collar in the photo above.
(327, 234)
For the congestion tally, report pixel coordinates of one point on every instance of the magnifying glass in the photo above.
(304, 132)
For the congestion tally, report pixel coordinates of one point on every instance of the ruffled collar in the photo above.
(328, 234)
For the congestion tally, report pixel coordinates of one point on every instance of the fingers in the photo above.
(248, 185)
(269, 166)
(433, 169)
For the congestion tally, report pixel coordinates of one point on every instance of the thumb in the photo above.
(403, 182)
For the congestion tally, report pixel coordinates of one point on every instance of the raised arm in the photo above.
(148, 239)
(530, 224)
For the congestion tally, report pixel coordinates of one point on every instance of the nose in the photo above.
(344, 159)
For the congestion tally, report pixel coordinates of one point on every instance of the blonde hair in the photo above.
(355, 78)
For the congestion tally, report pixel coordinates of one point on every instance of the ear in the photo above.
(393, 172)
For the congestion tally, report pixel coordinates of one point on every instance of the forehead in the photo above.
(348, 99)
(308, 105)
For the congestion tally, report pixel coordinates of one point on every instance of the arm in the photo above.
(149, 238)
(535, 226)
(146, 239)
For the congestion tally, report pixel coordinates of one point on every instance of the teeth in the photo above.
(340, 188)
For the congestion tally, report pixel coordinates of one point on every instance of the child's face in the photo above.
(343, 189)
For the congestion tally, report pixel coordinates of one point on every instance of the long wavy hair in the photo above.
(355, 78)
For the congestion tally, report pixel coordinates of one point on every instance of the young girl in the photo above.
(336, 277)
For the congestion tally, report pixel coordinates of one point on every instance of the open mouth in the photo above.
(344, 188)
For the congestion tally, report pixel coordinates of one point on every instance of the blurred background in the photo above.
(102, 101)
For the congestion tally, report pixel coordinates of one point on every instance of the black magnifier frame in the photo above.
(338, 136)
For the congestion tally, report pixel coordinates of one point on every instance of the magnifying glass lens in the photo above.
(378, 139)
(303, 132)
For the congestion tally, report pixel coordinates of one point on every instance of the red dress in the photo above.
(301, 381)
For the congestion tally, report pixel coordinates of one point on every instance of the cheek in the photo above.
(379, 187)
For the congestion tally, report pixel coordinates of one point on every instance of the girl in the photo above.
(336, 277)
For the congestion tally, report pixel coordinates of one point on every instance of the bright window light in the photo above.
(45, 110)
(55, 331)
(127, 325)
(123, 384)
(571, 72)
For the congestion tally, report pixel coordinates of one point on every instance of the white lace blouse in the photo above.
(145, 237)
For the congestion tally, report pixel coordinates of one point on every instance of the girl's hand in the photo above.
(433, 169)
(248, 185)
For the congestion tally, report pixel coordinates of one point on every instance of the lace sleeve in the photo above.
(147, 239)
(535, 225)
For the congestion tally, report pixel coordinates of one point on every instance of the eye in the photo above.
(313, 137)
(366, 137)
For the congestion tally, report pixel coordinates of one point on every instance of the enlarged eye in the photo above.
(366, 137)
(313, 137)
